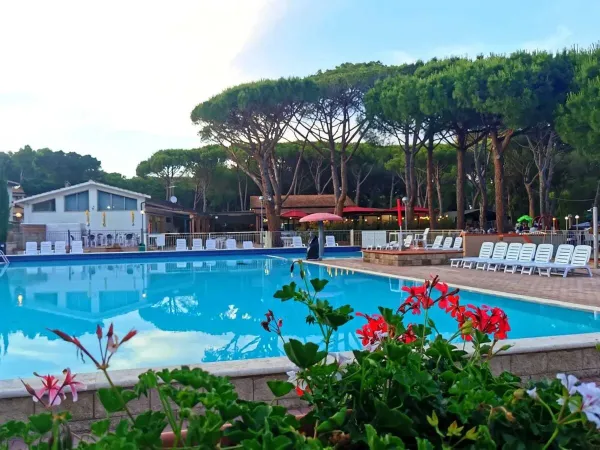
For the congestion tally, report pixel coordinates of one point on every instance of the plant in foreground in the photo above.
(409, 387)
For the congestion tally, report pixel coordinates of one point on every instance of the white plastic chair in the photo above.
(543, 255)
(180, 245)
(77, 247)
(457, 243)
(330, 241)
(447, 243)
(60, 248)
(485, 252)
(579, 260)
(197, 244)
(160, 240)
(46, 248)
(408, 240)
(422, 237)
(230, 244)
(211, 244)
(297, 242)
(512, 254)
(437, 243)
(526, 255)
(498, 254)
(31, 248)
(247, 245)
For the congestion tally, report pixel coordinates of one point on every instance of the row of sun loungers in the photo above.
(528, 258)
(60, 248)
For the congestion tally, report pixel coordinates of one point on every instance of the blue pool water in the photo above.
(191, 310)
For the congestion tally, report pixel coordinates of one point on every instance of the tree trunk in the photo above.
(483, 208)
(438, 188)
(204, 199)
(392, 185)
(358, 183)
(530, 198)
(432, 218)
(460, 187)
(499, 146)
(343, 192)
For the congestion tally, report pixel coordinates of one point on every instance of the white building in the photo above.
(93, 206)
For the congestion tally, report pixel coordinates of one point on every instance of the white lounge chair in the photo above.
(230, 244)
(297, 242)
(422, 237)
(447, 244)
(46, 248)
(389, 246)
(408, 240)
(485, 252)
(526, 255)
(180, 245)
(498, 254)
(457, 243)
(31, 248)
(579, 260)
(60, 248)
(330, 241)
(512, 254)
(211, 244)
(543, 255)
(77, 247)
(437, 243)
(197, 244)
(247, 245)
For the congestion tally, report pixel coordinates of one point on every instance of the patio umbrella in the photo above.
(525, 218)
(320, 218)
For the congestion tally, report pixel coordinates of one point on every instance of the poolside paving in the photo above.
(577, 289)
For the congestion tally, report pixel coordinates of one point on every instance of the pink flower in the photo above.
(52, 388)
(73, 385)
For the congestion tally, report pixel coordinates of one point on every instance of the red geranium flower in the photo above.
(408, 336)
(373, 331)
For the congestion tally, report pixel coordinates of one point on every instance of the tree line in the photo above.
(517, 134)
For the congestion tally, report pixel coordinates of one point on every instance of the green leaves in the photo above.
(287, 292)
(115, 399)
(42, 423)
(318, 285)
(303, 355)
(280, 388)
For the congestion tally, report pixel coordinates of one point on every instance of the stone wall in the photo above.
(410, 257)
(88, 408)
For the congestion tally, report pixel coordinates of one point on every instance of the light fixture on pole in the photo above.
(143, 213)
(566, 223)
(576, 220)
(405, 202)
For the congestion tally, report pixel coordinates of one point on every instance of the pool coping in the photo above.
(276, 366)
(261, 367)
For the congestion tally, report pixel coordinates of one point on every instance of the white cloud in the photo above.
(115, 79)
(561, 38)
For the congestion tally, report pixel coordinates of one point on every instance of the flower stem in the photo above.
(112, 385)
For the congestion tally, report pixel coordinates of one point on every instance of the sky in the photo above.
(119, 79)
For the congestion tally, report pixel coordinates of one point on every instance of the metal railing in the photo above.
(90, 238)
(373, 238)
(254, 237)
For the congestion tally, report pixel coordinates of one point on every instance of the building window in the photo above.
(77, 202)
(114, 202)
(47, 206)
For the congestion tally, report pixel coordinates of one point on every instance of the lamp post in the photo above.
(143, 213)
(577, 221)
(566, 223)
(405, 202)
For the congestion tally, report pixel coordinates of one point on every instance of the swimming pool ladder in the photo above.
(4, 258)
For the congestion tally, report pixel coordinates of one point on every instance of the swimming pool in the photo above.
(190, 310)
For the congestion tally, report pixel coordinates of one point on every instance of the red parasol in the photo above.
(293, 214)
